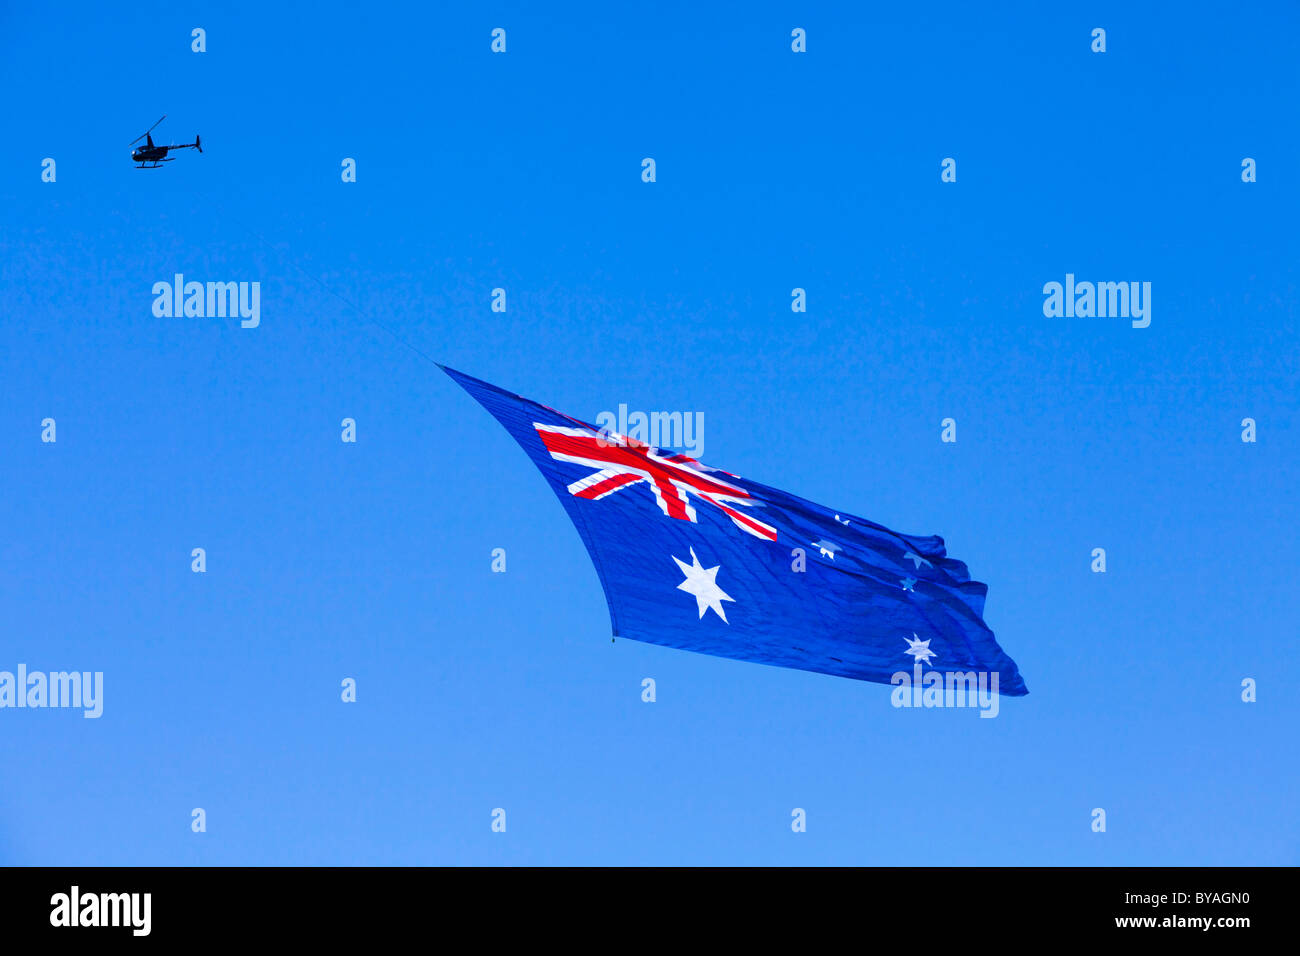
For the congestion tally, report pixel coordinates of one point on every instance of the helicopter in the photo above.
(150, 156)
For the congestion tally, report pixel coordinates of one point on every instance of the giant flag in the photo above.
(700, 559)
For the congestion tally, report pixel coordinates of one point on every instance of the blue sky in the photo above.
(775, 170)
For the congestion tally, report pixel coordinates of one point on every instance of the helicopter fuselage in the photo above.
(151, 155)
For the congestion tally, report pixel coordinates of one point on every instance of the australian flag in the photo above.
(700, 559)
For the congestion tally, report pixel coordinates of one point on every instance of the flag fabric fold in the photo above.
(697, 558)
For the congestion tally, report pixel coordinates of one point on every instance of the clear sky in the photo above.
(775, 170)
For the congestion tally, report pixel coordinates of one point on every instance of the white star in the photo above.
(701, 583)
(919, 649)
(827, 548)
(917, 560)
(909, 584)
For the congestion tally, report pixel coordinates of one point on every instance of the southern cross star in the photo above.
(919, 649)
(827, 548)
(701, 583)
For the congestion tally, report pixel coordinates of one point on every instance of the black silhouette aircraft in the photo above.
(151, 156)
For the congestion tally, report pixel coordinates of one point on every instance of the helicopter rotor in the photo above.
(148, 131)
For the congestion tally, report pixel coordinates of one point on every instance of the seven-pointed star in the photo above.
(701, 583)
(919, 649)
